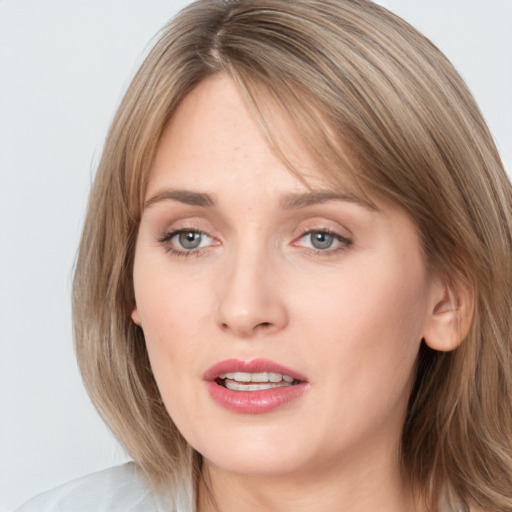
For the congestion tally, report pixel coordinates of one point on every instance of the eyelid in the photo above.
(167, 236)
(343, 241)
(178, 224)
(170, 234)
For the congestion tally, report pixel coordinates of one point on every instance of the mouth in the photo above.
(255, 386)
(244, 381)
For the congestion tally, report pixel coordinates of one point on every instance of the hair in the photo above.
(384, 112)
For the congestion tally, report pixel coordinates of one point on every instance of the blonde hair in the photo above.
(383, 111)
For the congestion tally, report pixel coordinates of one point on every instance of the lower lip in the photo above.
(255, 402)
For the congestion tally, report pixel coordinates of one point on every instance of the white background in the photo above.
(63, 67)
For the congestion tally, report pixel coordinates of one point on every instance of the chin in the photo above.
(258, 465)
(256, 454)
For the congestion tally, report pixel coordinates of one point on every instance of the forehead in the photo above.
(214, 138)
(211, 126)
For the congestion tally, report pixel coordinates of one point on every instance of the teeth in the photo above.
(239, 386)
(256, 377)
(241, 377)
(275, 377)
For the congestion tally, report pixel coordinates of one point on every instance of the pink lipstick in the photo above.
(253, 387)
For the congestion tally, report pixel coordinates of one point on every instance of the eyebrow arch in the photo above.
(182, 196)
(303, 200)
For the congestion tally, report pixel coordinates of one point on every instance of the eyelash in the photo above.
(344, 242)
(165, 240)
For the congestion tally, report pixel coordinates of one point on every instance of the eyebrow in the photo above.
(288, 202)
(182, 196)
(305, 199)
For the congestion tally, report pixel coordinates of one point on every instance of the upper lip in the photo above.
(258, 365)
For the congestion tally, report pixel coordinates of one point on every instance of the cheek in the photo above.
(373, 298)
(370, 325)
(171, 331)
(170, 304)
(173, 311)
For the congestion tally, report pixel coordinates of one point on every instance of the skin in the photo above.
(350, 317)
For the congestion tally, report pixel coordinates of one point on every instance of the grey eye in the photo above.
(321, 239)
(190, 239)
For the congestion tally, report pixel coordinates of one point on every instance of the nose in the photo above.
(251, 298)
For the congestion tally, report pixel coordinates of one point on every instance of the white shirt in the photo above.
(119, 489)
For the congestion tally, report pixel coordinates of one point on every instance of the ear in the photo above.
(451, 313)
(135, 316)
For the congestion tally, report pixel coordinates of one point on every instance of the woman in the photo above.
(292, 290)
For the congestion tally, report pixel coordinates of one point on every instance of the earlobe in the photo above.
(135, 316)
(450, 318)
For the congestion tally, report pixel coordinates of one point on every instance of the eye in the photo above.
(321, 240)
(190, 239)
(186, 241)
(324, 240)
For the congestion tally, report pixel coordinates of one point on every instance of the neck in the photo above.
(365, 486)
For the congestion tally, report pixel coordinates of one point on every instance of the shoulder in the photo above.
(119, 489)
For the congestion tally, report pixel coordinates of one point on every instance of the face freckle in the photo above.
(345, 315)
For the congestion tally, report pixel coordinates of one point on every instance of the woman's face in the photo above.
(242, 273)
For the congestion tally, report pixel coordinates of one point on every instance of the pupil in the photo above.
(190, 239)
(321, 240)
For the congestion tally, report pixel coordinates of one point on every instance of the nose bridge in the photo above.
(250, 298)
